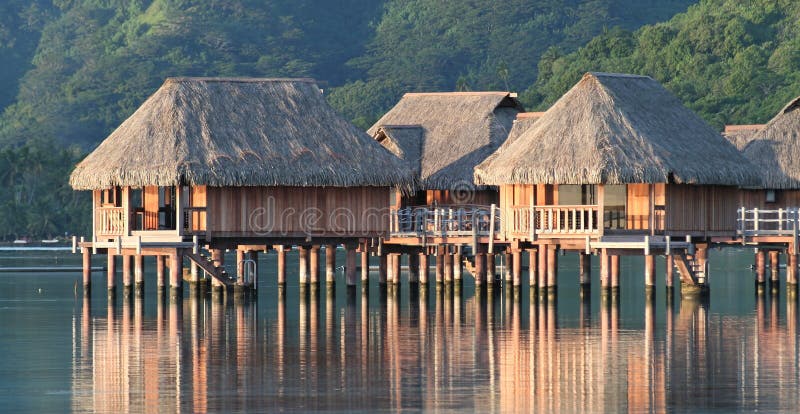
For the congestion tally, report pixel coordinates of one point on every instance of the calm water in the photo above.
(348, 351)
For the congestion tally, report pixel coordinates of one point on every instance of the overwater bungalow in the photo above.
(769, 211)
(233, 163)
(617, 165)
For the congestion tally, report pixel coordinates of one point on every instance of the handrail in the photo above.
(560, 219)
(443, 221)
(761, 222)
(111, 221)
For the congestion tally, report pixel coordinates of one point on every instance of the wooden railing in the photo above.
(757, 222)
(444, 221)
(111, 221)
(575, 219)
(194, 220)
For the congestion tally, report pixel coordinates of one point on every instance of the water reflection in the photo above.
(329, 350)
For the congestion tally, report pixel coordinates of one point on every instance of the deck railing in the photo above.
(194, 220)
(566, 219)
(444, 221)
(111, 221)
(758, 222)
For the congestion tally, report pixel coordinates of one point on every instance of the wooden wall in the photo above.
(758, 199)
(695, 208)
(294, 211)
(450, 198)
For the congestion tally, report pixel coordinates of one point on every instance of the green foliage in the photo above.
(731, 61)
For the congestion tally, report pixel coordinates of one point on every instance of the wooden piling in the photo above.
(240, 267)
(364, 268)
(552, 266)
(218, 259)
(350, 270)
(791, 269)
(585, 269)
(508, 259)
(330, 264)
(394, 269)
(176, 273)
(542, 271)
(160, 272)
(516, 268)
(423, 268)
(533, 271)
(761, 259)
(112, 271)
(670, 272)
(649, 271)
(615, 272)
(774, 263)
(605, 270)
(448, 267)
(281, 253)
(127, 275)
(491, 268)
(87, 270)
(458, 269)
(313, 263)
(440, 264)
(382, 268)
(480, 269)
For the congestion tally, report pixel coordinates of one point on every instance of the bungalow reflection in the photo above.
(431, 350)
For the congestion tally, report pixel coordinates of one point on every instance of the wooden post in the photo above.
(413, 268)
(160, 271)
(350, 271)
(448, 267)
(440, 264)
(649, 271)
(615, 272)
(458, 270)
(176, 273)
(330, 263)
(138, 271)
(218, 259)
(585, 264)
(281, 252)
(252, 255)
(508, 259)
(303, 259)
(313, 259)
(394, 268)
(127, 276)
(516, 268)
(791, 269)
(480, 269)
(552, 266)
(87, 270)
(382, 268)
(491, 267)
(240, 267)
(542, 272)
(423, 268)
(670, 277)
(364, 268)
(532, 267)
(605, 270)
(774, 262)
(761, 266)
(112, 271)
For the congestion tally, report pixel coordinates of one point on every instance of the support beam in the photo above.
(161, 279)
(458, 268)
(649, 271)
(605, 270)
(112, 271)
(533, 270)
(330, 264)
(364, 268)
(413, 268)
(480, 269)
(774, 263)
(302, 253)
(313, 260)
(281, 252)
(491, 268)
(423, 268)
(516, 268)
(585, 265)
(350, 270)
(542, 272)
(176, 273)
(127, 274)
(508, 260)
(614, 272)
(552, 266)
(791, 269)
(670, 272)
(440, 264)
(394, 268)
(761, 270)
(87, 270)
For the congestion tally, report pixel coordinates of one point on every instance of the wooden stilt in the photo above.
(542, 272)
(127, 275)
(382, 268)
(330, 263)
(448, 267)
(160, 272)
(87, 270)
(176, 273)
(458, 269)
(480, 269)
(508, 259)
(281, 253)
(350, 270)
(253, 256)
(413, 268)
(615, 272)
(605, 270)
(240, 267)
(649, 271)
(394, 268)
(761, 266)
(516, 268)
(313, 260)
(791, 269)
(423, 268)
(552, 266)
(218, 259)
(670, 272)
(774, 263)
(440, 264)
(533, 271)
(302, 252)
(491, 268)
(364, 268)
(112, 271)
(585, 264)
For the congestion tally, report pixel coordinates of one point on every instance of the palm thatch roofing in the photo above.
(618, 129)
(741, 135)
(239, 132)
(453, 132)
(775, 149)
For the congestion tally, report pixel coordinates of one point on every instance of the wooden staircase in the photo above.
(692, 272)
(217, 272)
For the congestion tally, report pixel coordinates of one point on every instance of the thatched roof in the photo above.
(239, 132)
(617, 129)
(405, 142)
(741, 135)
(458, 130)
(775, 149)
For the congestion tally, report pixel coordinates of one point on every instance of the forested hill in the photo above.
(72, 70)
(731, 61)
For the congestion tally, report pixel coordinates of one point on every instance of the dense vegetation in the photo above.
(72, 70)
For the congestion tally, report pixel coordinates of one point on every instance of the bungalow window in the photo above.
(770, 196)
(570, 195)
(111, 197)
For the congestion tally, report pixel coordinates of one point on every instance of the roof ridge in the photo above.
(236, 79)
(476, 93)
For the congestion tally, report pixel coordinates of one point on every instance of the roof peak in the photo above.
(178, 79)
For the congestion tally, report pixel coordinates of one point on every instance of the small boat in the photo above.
(51, 241)
(20, 242)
